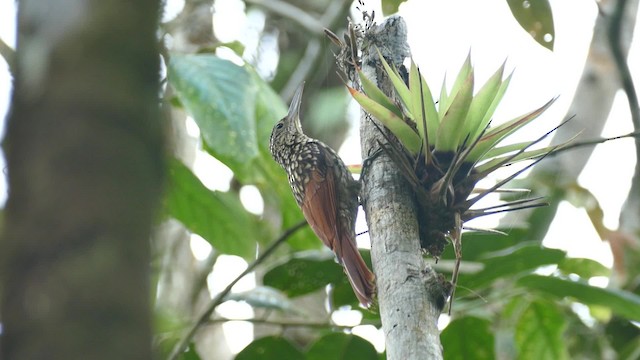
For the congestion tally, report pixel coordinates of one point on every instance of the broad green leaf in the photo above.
(535, 17)
(482, 101)
(269, 108)
(221, 98)
(539, 332)
(375, 94)
(453, 130)
(390, 7)
(620, 302)
(468, 338)
(190, 354)
(407, 136)
(270, 348)
(510, 262)
(218, 217)
(585, 268)
(300, 276)
(340, 346)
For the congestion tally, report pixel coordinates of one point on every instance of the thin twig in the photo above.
(204, 317)
(292, 13)
(289, 323)
(635, 134)
(9, 56)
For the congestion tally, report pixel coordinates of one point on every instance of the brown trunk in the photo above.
(84, 149)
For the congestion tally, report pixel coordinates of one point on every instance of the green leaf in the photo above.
(453, 130)
(407, 136)
(300, 276)
(536, 19)
(620, 302)
(585, 268)
(221, 97)
(423, 103)
(339, 346)
(390, 7)
(539, 331)
(398, 83)
(488, 167)
(481, 105)
(218, 217)
(498, 133)
(190, 354)
(269, 108)
(461, 79)
(270, 348)
(375, 94)
(510, 262)
(468, 338)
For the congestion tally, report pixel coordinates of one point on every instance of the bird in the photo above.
(326, 192)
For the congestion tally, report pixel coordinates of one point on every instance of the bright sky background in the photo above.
(441, 33)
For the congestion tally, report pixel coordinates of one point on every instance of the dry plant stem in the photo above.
(405, 283)
(204, 317)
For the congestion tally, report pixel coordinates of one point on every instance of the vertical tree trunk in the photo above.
(84, 149)
(409, 291)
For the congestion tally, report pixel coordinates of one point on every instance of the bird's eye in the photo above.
(279, 126)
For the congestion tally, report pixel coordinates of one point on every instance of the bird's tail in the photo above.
(361, 278)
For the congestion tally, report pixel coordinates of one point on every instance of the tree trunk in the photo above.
(85, 157)
(409, 291)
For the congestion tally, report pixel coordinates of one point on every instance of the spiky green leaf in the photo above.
(423, 105)
(461, 79)
(407, 136)
(481, 104)
(495, 134)
(452, 130)
(398, 83)
(375, 94)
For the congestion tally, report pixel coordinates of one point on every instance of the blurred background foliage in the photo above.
(228, 201)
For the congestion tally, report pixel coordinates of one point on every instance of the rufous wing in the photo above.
(320, 208)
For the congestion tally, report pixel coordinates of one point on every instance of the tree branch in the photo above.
(408, 289)
(290, 323)
(219, 299)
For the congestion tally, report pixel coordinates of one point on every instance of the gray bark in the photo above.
(407, 288)
(85, 156)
